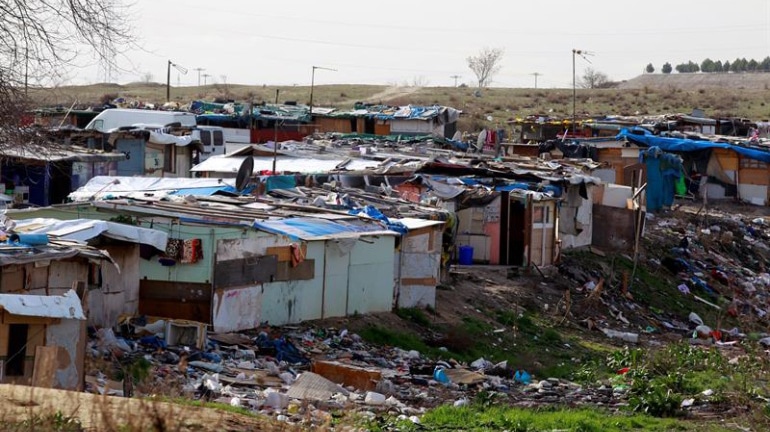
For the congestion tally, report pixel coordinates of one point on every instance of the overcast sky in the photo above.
(428, 41)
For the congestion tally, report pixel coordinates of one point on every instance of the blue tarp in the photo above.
(310, 228)
(206, 191)
(663, 169)
(373, 213)
(512, 186)
(280, 182)
(645, 138)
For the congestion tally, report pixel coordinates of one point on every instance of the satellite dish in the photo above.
(244, 174)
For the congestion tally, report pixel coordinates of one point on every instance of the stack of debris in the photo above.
(304, 374)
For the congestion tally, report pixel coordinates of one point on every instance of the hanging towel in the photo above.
(296, 255)
(192, 251)
(174, 248)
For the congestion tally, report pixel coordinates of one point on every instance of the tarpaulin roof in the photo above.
(407, 112)
(66, 306)
(305, 228)
(643, 137)
(86, 229)
(166, 139)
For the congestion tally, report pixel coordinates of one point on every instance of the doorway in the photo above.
(17, 347)
(513, 233)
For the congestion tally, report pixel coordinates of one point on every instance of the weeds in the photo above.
(57, 422)
(415, 315)
(657, 382)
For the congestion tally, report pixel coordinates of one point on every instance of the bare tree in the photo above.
(485, 64)
(39, 38)
(593, 79)
(147, 77)
(420, 81)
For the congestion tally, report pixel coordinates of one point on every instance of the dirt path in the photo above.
(107, 413)
(388, 94)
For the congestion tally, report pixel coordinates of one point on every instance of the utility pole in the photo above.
(205, 78)
(536, 74)
(179, 69)
(199, 70)
(581, 53)
(456, 77)
(312, 84)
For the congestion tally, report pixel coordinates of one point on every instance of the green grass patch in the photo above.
(489, 418)
(213, 405)
(415, 315)
(476, 327)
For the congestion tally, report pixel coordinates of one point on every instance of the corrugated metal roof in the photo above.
(224, 164)
(59, 153)
(305, 228)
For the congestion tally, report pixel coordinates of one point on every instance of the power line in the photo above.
(199, 70)
(456, 77)
(294, 19)
(536, 74)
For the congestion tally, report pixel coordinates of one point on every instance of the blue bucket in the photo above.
(466, 255)
(29, 239)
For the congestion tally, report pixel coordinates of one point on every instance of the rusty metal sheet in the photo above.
(246, 271)
(303, 271)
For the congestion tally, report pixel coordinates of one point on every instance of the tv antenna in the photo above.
(583, 54)
(180, 69)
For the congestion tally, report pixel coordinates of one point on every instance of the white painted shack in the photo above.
(299, 269)
(113, 290)
(418, 263)
(242, 273)
(43, 286)
(42, 340)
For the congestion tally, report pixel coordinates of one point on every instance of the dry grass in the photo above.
(38, 409)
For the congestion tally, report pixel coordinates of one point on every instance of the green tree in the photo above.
(707, 65)
(752, 65)
(718, 66)
(740, 65)
(764, 66)
(666, 69)
(689, 67)
(726, 66)
(650, 68)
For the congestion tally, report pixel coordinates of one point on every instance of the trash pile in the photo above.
(720, 261)
(716, 260)
(306, 374)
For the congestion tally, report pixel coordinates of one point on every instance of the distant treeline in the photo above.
(711, 66)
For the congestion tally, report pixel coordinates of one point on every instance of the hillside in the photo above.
(729, 95)
(696, 81)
